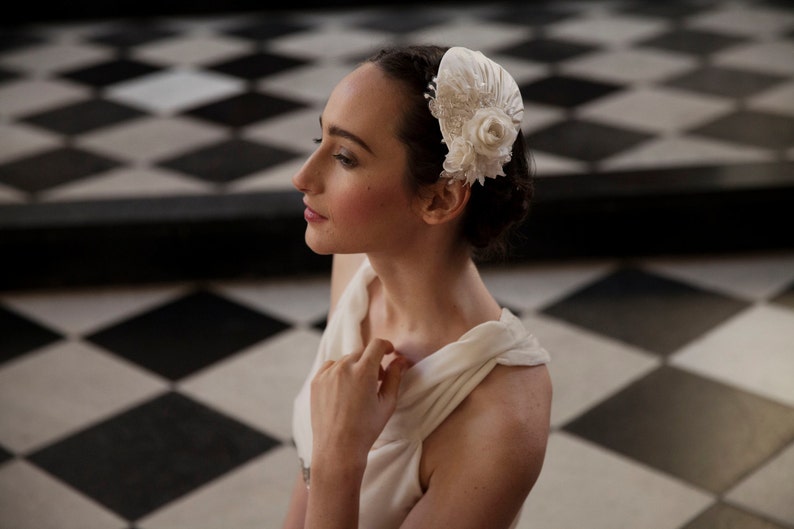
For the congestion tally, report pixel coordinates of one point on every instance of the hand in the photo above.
(352, 399)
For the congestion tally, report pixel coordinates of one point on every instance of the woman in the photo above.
(428, 403)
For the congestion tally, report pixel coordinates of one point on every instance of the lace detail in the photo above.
(479, 109)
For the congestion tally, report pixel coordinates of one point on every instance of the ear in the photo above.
(445, 201)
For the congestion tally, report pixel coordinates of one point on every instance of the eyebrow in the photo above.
(335, 130)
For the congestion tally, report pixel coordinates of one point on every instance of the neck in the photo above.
(424, 300)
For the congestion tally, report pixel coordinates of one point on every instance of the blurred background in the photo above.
(159, 309)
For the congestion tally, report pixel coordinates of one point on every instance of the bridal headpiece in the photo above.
(479, 107)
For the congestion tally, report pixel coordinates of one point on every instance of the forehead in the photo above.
(366, 101)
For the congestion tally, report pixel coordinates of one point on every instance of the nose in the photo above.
(306, 179)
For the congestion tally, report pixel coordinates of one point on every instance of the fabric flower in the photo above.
(479, 109)
(491, 131)
(461, 157)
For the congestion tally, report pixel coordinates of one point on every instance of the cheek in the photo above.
(366, 205)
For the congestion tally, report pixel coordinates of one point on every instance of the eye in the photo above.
(317, 141)
(344, 160)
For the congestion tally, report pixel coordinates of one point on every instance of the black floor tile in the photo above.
(786, 297)
(750, 127)
(398, 20)
(146, 457)
(110, 72)
(584, 140)
(694, 428)
(245, 109)
(133, 32)
(8, 75)
(188, 334)
(19, 335)
(265, 28)
(532, 14)
(696, 42)
(669, 10)
(11, 40)
(723, 516)
(565, 91)
(52, 168)
(547, 50)
(229, 160)
(724, 81)
(83, 117)
(657, 314)
(256, 65)
(4, 455)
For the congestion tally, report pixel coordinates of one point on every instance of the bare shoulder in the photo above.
(507, 416)
(512, 405)
(488, 454)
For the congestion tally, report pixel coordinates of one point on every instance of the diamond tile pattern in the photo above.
(179, 445)
(212, 327)
(236, 353)
(170, 408)
(645, 310)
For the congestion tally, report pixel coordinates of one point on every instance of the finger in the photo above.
(390, 385)
(376, 350)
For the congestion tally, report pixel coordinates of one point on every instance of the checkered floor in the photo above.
(167, 404)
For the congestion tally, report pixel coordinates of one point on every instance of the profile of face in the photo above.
(354, 184)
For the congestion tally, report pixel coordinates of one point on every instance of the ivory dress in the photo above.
(430, 390)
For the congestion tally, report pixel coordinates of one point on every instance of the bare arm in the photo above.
(491, 453)
(296, 511)
(343, 269)
(352, 399)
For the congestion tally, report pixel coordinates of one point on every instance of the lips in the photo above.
(311, 215)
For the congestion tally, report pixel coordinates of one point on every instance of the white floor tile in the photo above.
(684, 151)
(655, 110)
(765, 57)
(753, 350)
(628, 66)
(297, 300)
(769, 490)
(609, 30)
(51, 58)
(311, 84)
(582, 485)
(744, 19)
(277, 178)
(779, 99)
(193, 50)
(752, 276)
(171, 91)
(31, 499)
(82, 311)
(18, 140)
(149, 139)
(62, 388)
(128, 182)
(294, 131)
(585, 368)
(476, 34)
(38, 95)
(330, 43)
(532, 286)
(258, 386)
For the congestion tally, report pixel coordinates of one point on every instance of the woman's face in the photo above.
(354, 184)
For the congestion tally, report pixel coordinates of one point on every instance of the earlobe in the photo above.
(447, 201)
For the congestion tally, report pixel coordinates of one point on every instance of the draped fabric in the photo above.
(430, 390)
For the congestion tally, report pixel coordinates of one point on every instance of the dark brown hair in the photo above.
(497, 207)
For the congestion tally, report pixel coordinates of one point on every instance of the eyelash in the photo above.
(344, 160)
